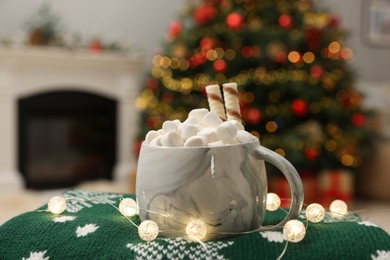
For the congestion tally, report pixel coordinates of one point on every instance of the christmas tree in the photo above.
(288, 58)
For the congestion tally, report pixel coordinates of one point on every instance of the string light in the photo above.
(315, 212)
(294, 231)
(196, 230)
(148, 230)
(273, 202)
(128, 207)
(338, 207)
(56, 205)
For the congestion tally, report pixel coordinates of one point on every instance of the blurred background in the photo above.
(81, 83)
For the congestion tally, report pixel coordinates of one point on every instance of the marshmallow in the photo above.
(177, 122)
(209, 133)
(237, 124)
(169, 126)
(160, 132)
(226, 131)
(231, 141)
(217, 143)
(244, 137)
(198, 114)
(192, 121)
(150, 136)
(211, 119)
(187, 130)
(156, 141)
(195, 141)
(172, 139)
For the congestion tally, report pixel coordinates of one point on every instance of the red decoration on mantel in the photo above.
(95, 46)
(358, 119)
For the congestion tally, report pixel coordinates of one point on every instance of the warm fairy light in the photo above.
(271, 126)
(196, 230)
(347, 160)
(308, 57)
(56, 205)
(294, 57)
(315, 212)
(339, 207)
(294, 231)
(128, 207)
(281, 152)
(230, 54)
(334, 47)
(148, 230)
(273, 202)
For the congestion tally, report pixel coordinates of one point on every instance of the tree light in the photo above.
(315, 212)
(339, 207)
(56, 205)
(273, 202)
(294, 231)
(128, 207)
(148, 230)
(196, 230)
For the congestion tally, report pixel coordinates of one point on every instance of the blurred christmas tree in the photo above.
(289, 60)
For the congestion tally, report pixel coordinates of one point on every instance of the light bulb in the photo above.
(128, 207)
(315, 212)
(196, 230)
(56, 205)
(339, 207)
(148, 230)
(294, 231)
(273, 202)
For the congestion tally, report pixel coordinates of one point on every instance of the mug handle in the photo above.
(292, 176)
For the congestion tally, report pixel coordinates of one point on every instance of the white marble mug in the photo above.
(224, 186)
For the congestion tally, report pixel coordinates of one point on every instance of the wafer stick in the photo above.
(215, 100)
(232, 103)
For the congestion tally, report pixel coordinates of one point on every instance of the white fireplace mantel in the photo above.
(30, 71)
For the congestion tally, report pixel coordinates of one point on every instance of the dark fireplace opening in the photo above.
(66, 137)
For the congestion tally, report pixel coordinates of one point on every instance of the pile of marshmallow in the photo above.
(204, 127)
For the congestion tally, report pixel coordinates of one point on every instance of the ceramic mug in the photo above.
(224, 186)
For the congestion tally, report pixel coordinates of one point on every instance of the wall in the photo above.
(144, 22)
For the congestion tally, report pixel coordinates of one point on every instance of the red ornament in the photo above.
(167, 98)
(299, 107)
(220, 65)
(152, 83)
(334, 21)
(206, 43)
(358, 119)
(285, 21)
(204, 14)
(312, 153)
(235, 21)
(197, 59)
(95, 46)
(316, 71)
(247, 51)
(313, 39)
(175, 28)
(281, 57)
(254, 116)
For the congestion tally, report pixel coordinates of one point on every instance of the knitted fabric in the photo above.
(91, 228)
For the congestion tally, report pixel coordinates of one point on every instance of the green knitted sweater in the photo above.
(91, 228)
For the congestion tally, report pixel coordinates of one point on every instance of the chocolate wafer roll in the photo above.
(215, 100)
(232, 103)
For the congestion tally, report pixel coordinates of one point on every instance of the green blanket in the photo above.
(91, 228)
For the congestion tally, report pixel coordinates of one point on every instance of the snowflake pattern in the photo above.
(37, 256)
(78, 199)
(178, 248)
(381, 255)
(273, 236)
(63, 219)
(367, 223)
(87, 229)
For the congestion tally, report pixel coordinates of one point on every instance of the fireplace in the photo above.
(67, 117)
(66, 137)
